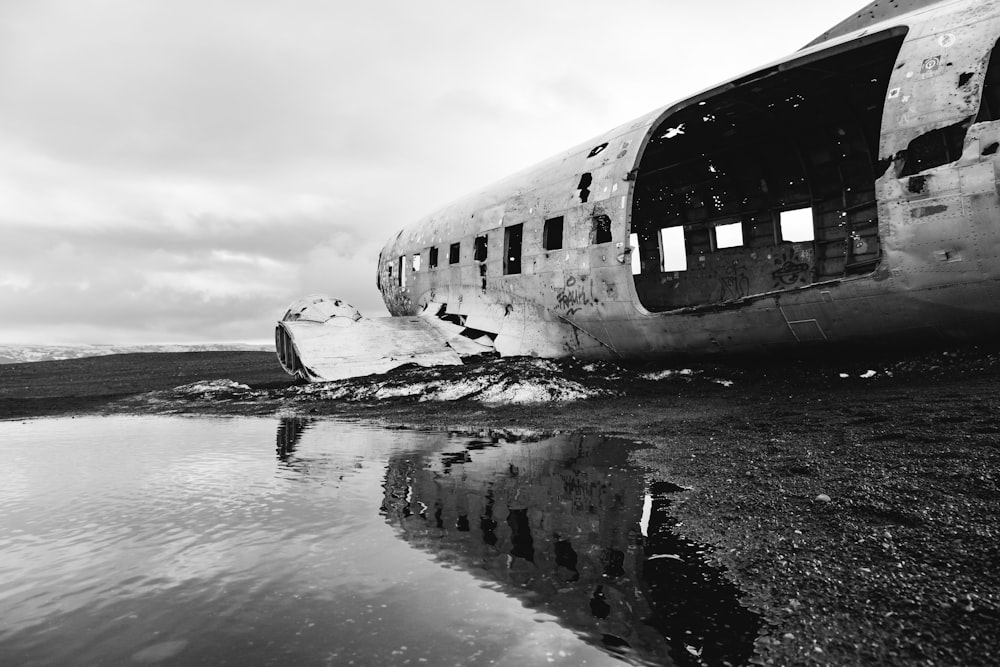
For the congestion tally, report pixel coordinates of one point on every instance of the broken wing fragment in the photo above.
(320, 339)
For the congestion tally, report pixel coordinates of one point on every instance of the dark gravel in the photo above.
(859, 513)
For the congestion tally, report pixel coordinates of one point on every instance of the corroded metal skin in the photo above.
(674, 233)
(928, 266)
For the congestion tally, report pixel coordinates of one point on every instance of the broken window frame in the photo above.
(401, 276)
(601, 229)
(583, 187)
(432, 257)
(552, 233)
(793, 222)
(455, 253)
(481, 248)
(513, 244)
(673, 249)
(724, 235)
(935, 148)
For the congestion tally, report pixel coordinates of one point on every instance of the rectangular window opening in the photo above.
(512, 248)
(416, 261)
(454, 253)
(673, 252)
(602, 229)
(432, 258)
(797, 225)
(402, 271)
(552, 234)
(699, 240)
(729, 236)
(633, 241)
(480, 248)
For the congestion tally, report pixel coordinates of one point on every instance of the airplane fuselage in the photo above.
(846, 192)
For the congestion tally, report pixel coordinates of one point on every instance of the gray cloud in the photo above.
(182, 170)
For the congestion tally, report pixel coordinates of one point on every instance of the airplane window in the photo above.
(432, 258)
(552, 234)
(729, 236)
(673, 256)
(454, 253)
(480, 248)
(416, 261)
(797, 225)
(402, 271)
(512, 243)
(602, 229)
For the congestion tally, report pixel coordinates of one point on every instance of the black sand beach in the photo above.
(860, 514)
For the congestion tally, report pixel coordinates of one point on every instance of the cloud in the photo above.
(165, 285)
(183, 170)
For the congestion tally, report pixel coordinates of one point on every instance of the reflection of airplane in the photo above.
(846, 192)
(290, 430)
(560, 524)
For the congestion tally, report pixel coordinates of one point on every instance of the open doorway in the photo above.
(769, 184)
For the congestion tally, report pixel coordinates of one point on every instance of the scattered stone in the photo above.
(822, 498)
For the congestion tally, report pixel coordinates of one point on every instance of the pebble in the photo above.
(822, 498)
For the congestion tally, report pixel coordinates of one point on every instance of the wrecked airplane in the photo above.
(844, 193)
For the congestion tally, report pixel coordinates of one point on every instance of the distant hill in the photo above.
(15, 354)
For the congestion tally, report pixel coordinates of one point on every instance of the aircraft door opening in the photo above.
(770, 183)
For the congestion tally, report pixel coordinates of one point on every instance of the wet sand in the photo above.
(861, 515)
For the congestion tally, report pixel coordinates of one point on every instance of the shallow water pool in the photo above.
(177, 540)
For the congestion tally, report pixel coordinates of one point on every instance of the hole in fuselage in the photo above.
(730, 170)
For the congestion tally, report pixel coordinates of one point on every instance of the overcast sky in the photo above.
(181, 170)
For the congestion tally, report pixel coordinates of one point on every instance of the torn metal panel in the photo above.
(938, 81)
(332, 352)
(327, 339)
(531, 330)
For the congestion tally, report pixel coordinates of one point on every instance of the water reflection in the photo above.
(290, 430)
(567, 526)
(174, 540)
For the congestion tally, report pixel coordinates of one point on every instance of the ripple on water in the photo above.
(177, 540)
